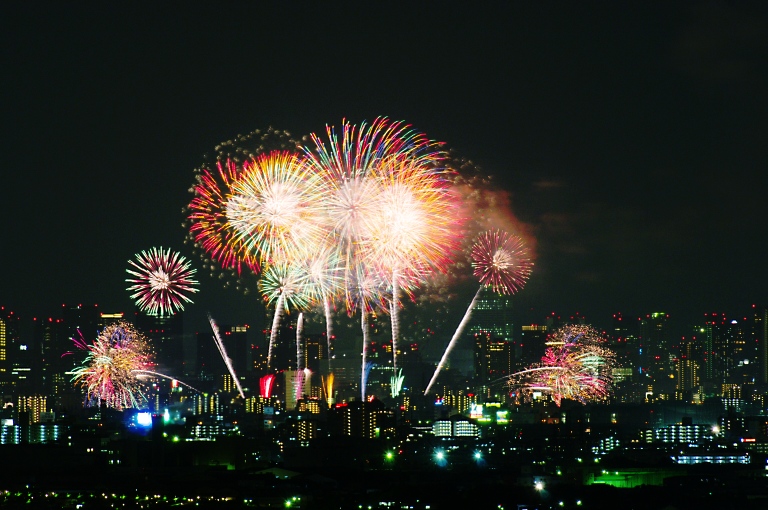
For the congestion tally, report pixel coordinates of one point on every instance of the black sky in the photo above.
(630, 135)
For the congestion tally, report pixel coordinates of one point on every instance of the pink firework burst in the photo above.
(162, 280)
(501, 261)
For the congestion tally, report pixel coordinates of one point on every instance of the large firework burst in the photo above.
(110, 369)
(225, 254)
(353, 168)
(210, 228)
(162, 279)
(274, 207)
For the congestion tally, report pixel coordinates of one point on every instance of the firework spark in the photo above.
(162, 279)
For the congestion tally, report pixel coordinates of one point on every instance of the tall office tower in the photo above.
(493, 358)
(530, 348)
(687, 371)
(724, 342)
(208, 362)
(623, 340)
(283, 350)
(166, 336)
(491, 319)
(760, 337)
(22, 360)
(314, 352)
(737, 357)
(492, 314)
(656, 351)
(10, 342)
(44, 336)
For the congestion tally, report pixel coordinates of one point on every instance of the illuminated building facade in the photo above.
(368, 419)
(31, 406)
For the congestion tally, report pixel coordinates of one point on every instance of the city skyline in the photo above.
(626, 138)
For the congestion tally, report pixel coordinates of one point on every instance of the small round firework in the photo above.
(501, 261)
(162, 279)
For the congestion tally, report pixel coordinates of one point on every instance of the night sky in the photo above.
(629, 135)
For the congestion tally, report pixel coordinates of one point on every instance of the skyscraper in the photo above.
(166, 335)
(493, 358)
(655, 352)
(9, 340)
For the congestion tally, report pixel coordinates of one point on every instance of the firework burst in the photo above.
(350, 169)
(162, 279)
(501, 261)
(284, 285)
(209, 223)
(274, 205)
(109, 372)
(575, 366)
(225, 254)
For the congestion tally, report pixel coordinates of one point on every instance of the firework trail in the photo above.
(141, 373)
(396, 383)
(367, 289)
(301, 381)
(454, 339)
(108, 373)
(323, 285)
(366, 372)
(575, 366)
(266, 384)
(299, 354)
(162, 279)
(501, 262)
(223, 352)
(327, 383)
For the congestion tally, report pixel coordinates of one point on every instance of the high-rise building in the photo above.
(10, 343)
(687, 371)
(492, 314)
(726, 346)
(314, 351)
(760, 337)
(493, 358)
(656, 353)
(166, 334)
(531, 346)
